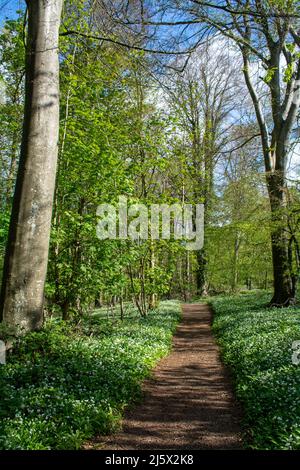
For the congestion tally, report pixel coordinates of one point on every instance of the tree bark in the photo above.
(201, 272)
(236, 249)
(283, 291)
(153, 295)
(275, 151)
(25, 266)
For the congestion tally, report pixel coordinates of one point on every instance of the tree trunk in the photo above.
(266, 281)
(25, 265)
(153, 296)
(283, 294)
(236, 249)
(201, 272)
(121, 307)
(188, 276)
(275, 151)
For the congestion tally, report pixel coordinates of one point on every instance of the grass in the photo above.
(256, 342)
(67, 383)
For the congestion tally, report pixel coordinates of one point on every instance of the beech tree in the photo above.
(266, 32)
(204, 96)
(26, 257)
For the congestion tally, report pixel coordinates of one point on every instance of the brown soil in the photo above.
(188, 404)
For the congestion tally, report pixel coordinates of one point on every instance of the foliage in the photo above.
(7, 332)
(11, 110)
(238, 239)
(256, 343)
(70, 381)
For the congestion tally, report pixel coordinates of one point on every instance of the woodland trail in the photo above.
(188, 403)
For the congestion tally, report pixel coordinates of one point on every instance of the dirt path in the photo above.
(189, 403)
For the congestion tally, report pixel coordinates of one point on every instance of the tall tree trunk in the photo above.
(283, 292)
(201, 272)
(188, 276)
(25, 266)
(236, 249)
(121, 306)
(275, 151)
(153, 295)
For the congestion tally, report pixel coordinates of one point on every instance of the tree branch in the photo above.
(128, 46)
(258, 111)
(241, 145)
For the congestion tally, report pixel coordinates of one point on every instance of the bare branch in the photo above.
(129, 46)
(258, 111)
(241, 145)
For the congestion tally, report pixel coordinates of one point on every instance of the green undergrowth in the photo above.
(69, 382)
(256, 342)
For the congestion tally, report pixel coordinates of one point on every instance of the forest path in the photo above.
(188, 404)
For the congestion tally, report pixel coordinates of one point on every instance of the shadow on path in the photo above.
(188, 404)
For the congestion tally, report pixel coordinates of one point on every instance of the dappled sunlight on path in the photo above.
(188, 404)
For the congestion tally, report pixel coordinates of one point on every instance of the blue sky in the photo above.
(8, 8)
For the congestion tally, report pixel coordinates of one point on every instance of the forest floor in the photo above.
(188, 403)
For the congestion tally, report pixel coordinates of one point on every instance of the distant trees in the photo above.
(11, 114)
(12, 103)
(266, 33)
(267, 36)
(203, 98)
(238, 236)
